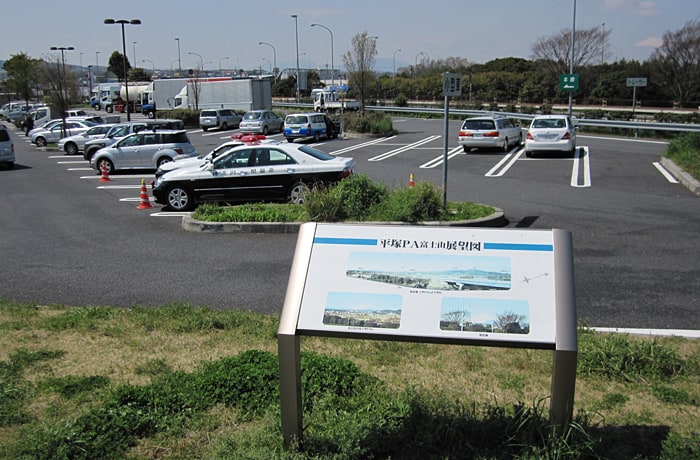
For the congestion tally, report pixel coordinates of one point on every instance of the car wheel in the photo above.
(281, 128)
(290, 140)
(505, 145)
(151, 115)
(109, 166)
(520, 139)
(109, 109)
(162, 160)
(317, 137)
(224, 126)
(264, 131)
(572, 154)
(466, 149)
(71, 148)
(40, 142)
(529, 154)
(87, 154)
(204, 129)
(296, 193)
(179, 198)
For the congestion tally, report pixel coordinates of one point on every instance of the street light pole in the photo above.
(332, 52)
(152, 64)
(134, 45)
(268, 61)
(221, 73)
(179, 61)
(395, 51)
(201, 60)
(122, 22)
(571, 64)
(63, 82)
(296, 34)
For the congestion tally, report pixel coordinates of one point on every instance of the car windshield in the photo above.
(319, 155)
(478, 124)
(252, 116)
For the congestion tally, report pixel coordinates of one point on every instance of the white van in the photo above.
(7, 148)
(309, 125)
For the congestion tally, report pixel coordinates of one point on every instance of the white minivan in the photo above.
(309, 125)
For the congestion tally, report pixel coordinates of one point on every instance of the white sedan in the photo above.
(41, 138)
(551, 133)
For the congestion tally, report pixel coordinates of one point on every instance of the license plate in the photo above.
(295, 131)
(477, 134)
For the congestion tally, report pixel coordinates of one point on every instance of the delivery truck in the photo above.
(237, 94)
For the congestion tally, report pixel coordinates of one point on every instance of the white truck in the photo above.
(333, 100)
(160, 94)
(115, 98)
(239, 94)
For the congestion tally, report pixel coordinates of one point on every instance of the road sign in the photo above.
(568, 82)
(451, 84)
(639, 81)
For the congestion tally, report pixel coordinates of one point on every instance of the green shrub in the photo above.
(401, 101)
(684, 150)
(351, 198)
(422, 202)
(368, 122)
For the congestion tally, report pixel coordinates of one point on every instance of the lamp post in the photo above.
(179, 60)
(122, 22)
(152, 64)
(395, 51)
(201, 60)
(332, 52)
(296, 34)
(221, 73)
(63, 49)
(602, 47)
(134, 45)
(269, 62)
(90, 79)
(571, 64)
(274, 53)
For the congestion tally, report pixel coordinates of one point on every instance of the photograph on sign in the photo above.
(432, 282)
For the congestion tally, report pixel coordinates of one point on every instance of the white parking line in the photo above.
(586, 168)
(405, 148)
(117, 187)
(437, 161)
(669, 177)
(74, 162)
(171, 214)
(508, 160)
(359, 146)
(121, 176)
(80, 169)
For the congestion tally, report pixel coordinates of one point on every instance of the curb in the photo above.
(497, 219)
(686, 179)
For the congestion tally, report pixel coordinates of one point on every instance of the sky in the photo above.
(226, 34)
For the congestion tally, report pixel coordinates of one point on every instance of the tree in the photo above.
(359, 63)
(677, 61)
(62, 85)
(139, 74)
(458, 317)
(554, 52)
(511, 322)
(116, 65)
(23, 75)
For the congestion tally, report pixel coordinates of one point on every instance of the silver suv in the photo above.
(120, 130)
(147, 149)
(219, 118)
(488, 132)
(7, 148)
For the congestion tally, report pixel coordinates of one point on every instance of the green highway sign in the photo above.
(568, 82)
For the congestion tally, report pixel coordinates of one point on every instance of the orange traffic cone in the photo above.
(411, 182)
(145, 200)
(105, 174)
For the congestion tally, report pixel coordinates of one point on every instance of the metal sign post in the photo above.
(451, 86)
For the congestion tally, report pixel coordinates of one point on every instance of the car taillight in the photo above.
(491, 134)
(529, 136)
(346, 173)
(566, 136)
(179, 151)
(465, 134)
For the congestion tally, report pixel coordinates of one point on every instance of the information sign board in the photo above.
(451, 84)
(639, 81)
(568, 82)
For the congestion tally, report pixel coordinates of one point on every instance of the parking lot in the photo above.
(76, 240)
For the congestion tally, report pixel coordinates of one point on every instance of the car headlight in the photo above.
(158, 181)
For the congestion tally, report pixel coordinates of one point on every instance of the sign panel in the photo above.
(433, 282)
(451, 84)
(568, 82)
(640, 81)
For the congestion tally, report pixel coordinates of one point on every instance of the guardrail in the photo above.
(634, 125)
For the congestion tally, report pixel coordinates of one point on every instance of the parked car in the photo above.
(121, 130)
(309, 125)
(184, 162)
(551, 133)
(147, 149)
(73, 145)
(58, 131)
(7, 148)
(495, 131)
(251, 172)
(219, 118)
(262, 121)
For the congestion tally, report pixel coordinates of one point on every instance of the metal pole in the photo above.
(571, 64)
(332, 52)
(445, 138)
(296, 34)
(179, 60)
